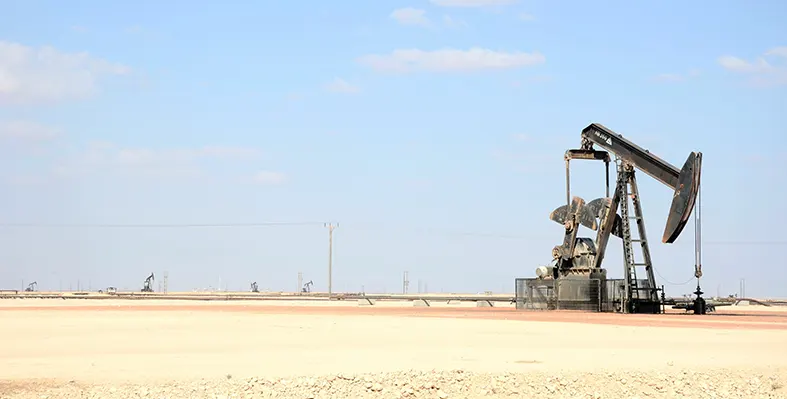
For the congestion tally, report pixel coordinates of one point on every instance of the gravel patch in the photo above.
(720, 383)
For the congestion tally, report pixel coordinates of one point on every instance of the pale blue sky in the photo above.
(410, 123)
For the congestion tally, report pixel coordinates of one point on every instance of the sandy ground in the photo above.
(154, 342)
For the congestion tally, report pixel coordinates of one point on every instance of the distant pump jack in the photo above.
(32, 287)
(148, 284)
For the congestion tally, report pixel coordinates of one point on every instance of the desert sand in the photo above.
(111, 348)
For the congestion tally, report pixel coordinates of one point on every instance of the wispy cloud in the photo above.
(767, 70)
(339, 85)
(452, 22)
(472, 3)
(31, 75)
(778, 52)
(267, 177)
(449, 60)
(410, 16)
(27, 131)
(105, 157)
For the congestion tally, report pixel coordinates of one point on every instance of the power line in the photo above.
(380, 226)
(158, 225)
(428, 230)
(746, 242)
(439, 231)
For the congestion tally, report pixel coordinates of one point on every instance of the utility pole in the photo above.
(405, 282)
(330, 227)
(300, 283)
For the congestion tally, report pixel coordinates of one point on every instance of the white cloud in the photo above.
(27, 131)
(761, 71)
(778, 51)
(104, 157)
(148, 157)
(740, 65)
(449, 60)
(410, 16)
(452, 22)
(269, 177)
(40, 75)
(472, 3)
(339, 85)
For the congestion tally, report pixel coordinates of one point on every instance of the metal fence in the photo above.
(564, 294)
(592, 295)
(535, 294)
(614, 293)
(579, 294)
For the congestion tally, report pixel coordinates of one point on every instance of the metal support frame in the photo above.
(586, 154)
(637, 299)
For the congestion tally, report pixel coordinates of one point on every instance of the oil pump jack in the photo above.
(32, 287)
(148, 285)
(580, 257)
